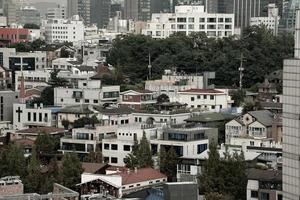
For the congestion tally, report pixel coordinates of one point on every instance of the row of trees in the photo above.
(263, 54)
(37, 174)
(224, 178)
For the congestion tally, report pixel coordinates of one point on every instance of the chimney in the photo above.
(297, 35)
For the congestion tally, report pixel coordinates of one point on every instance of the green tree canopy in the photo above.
(168, 161)
(71, 170)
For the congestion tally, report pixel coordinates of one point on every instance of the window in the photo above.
(29, 116)
(191, 26)
(265, 196)
(228, 20)
(210, 26)
(77, 100)
(204, 96)
(201, 148)
(254, 194)
(201, 26)
(192, 98)
(198, 97)
(95, 101)
(136, 119)
(202, 19)
(251, 143)
(84, 84)
(211, 19)
(114, 147)
(191, 19)
(34, 117)
(106, 159)
(126, 147)
(181, 19)
(212, 97)
(114, 160)
(220, 19)
(86, 101)
(106, 146)
(40, 116)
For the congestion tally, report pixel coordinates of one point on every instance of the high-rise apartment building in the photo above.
(59, 12)
(72, 8)
(291, 121)
(28, 15)
(287, 23)
(10, 8)
(137, 10)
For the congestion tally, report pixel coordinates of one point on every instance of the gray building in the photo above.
(180, 190)
(84, 10)
(72, 8)
(7, 99)
(291, 121)
(28, 15)
(137, 10)
(99, 13)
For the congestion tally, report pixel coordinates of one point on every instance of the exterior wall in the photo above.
(71, 117)
(11, 189)
(163, 117)
(163, 25)
(32, 79)
(67, 96)
(252, 185)
(60, 30)
(14, 35)
(7, 99)
(126, 189)
(43, 116)
(253, 133)
(28, 15)
(219, 101)
(291, 124)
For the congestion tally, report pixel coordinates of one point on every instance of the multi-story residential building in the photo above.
(64, 63)
(256, 128)
(271, 21)
(206, 99)
(32, 79)
(33, 133)
(13, 35)
(172, 82)
(28, 15)
(86, 140)
(60, 12)
(7, 99)
(120, 183)
(88, 92)
(25, 116)
(188, 19)
(264, 184)
(187, 141)
(291, 112)
(166, 113)
(137, 99)
(61, 30)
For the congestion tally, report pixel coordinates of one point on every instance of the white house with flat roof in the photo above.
(189, 19)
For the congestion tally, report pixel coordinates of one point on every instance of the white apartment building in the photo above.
(64, 63)
(32, 79)
(172, 82)
(271, 22)
(188, 19)
(87, 92)
(115, 150)
(167, 117)
(86, 140)
(25, 116)
(61, 30)
(206, 99)
(187, 141)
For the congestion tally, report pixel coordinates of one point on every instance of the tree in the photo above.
(45, 143)
(144, 153)
(81, 122)
(168, 161)
(12, 161)
(33, 179)
(250, 105)
(238, 97)
(131, 160)
(71, 170)
(65, 123)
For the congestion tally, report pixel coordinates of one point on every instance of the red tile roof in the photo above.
(144, 174)
(205, 91)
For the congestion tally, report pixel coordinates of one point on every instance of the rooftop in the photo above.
(203, 91)
(263, 116)
(45, 130)
(210, 117)
(140, 175)
(264, 175)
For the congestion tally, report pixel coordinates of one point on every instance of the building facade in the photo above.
(188, 19)
(60, 12)
(28, 15)
(7, 99)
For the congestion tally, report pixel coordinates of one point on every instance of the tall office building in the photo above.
(99, 12)
(291, 122)
(137, 10)
(28, 15)
(84, 10)
(10, 8)
(287, 22)
(72, 8)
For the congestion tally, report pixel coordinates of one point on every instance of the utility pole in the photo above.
(241, 69)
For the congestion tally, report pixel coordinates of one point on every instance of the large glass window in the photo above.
(201, 148)
(181, 19)
(177, 136)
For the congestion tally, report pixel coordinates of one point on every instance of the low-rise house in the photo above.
(25, 116)
(87, 92)
(32, 133)
(120, 183)
(256, 128)
(137, 99)
(264, 184)
(206, 99)
(11, 185)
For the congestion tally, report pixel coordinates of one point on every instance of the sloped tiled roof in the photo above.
(144, 174)
(263, 116)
